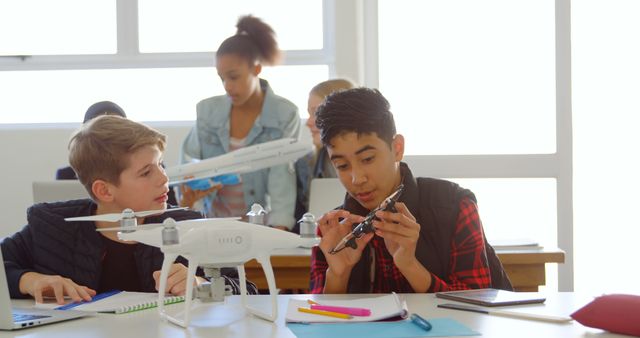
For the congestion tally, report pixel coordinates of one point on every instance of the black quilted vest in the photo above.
(435, 205)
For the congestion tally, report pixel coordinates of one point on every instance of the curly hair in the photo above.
(254, 40)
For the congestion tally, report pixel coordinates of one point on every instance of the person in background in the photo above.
(118, 161)
(95, 110)
(433, 242)
(316, 164)
(249, 113)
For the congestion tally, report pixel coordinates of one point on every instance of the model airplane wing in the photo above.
(240, 161)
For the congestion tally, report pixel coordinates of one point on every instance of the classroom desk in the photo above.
(230, 320)
(526, 268)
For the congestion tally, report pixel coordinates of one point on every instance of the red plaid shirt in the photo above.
(468, 262)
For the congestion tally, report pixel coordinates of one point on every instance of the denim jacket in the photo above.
(279, 119)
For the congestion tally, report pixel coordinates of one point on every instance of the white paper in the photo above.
(383, 307)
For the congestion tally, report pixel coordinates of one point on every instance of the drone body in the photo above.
(218, 240)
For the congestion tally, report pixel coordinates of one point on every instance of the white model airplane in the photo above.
(213, 244)
(239, 161)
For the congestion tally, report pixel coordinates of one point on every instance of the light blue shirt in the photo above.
(278, 119)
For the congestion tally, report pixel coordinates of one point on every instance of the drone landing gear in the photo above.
(271, 282)
(213, 291)
(164, 273)
(216, 289)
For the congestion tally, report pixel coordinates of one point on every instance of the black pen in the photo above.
(423, 323)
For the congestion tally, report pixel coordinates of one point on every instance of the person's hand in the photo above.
(332, 233)
(39, 286)
(400, 232)
(188, 196)
(176, 280)
(280, 227)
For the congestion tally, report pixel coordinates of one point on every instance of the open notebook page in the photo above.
(120, 302)
(383, 307)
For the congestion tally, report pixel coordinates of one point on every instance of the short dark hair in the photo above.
(359, 110)
(103, 108)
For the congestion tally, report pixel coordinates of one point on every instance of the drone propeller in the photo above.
(156, 225)
(132, 228)
(126, 213)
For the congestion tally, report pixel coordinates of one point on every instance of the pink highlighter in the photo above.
(354, 311)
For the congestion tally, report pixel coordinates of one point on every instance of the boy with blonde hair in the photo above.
(119, 163)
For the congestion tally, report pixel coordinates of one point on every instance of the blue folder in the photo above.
(441, 327)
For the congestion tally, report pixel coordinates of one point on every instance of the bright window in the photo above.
(477, 76)
(295, 82)
(605, 111)
(201, 25)
(64, 76)
(155, 94)
(43, 27)
(516, 207)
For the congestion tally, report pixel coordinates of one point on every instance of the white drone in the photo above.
(259, 156)
(211, 243)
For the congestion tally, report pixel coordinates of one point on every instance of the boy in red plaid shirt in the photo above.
(434, 242)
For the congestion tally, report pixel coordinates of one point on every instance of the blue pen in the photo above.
(423, 323)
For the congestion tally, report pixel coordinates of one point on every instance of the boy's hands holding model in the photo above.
(400, 232)
(189, 196)
(333, 230)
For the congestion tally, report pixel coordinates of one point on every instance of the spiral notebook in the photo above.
(121, 302)
(387, 307)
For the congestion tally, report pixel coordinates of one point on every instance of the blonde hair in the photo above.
(100, 149)
(323, 89)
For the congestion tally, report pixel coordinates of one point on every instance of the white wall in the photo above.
(34, 152)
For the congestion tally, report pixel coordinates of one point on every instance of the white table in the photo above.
(230, 321)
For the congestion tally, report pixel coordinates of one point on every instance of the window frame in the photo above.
(129, 56)
(358, 21)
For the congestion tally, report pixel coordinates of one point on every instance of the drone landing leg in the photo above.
(243, 284)
(271, 281)
(191, 271)
(164, 273)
